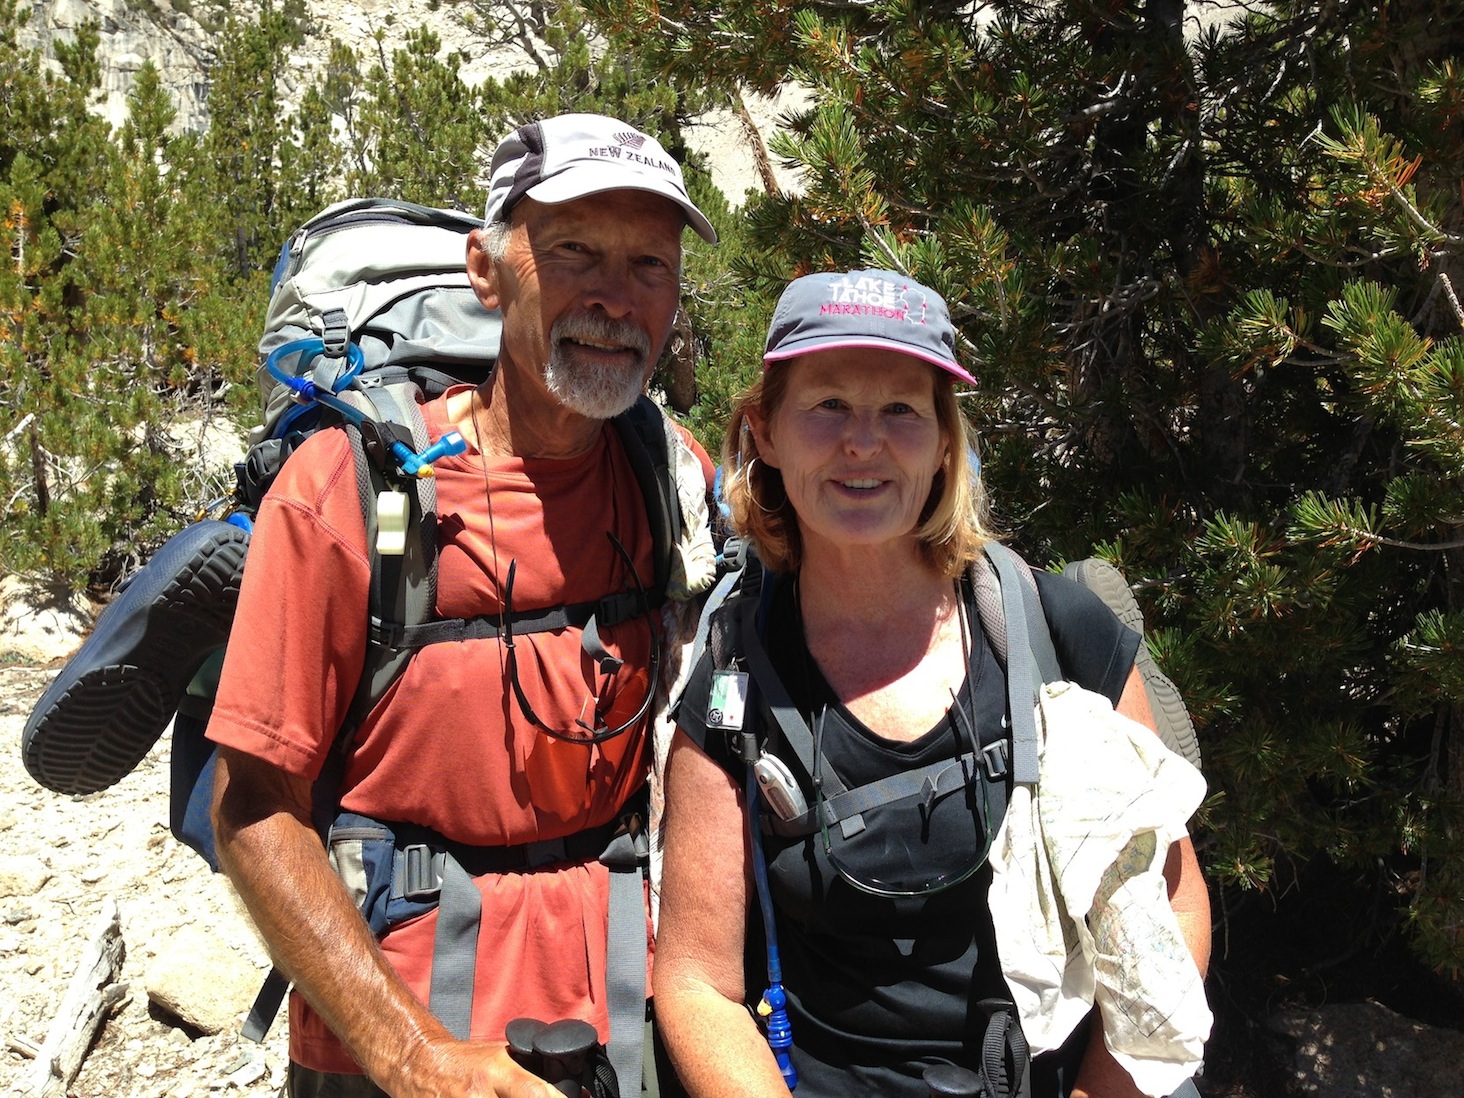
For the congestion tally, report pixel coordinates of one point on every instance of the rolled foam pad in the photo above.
(1171, 715)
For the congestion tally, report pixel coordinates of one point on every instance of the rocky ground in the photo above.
(187, 943)
(193, 962)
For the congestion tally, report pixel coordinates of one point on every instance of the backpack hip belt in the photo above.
(396, 872)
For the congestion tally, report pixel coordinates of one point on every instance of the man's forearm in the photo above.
(318, 939)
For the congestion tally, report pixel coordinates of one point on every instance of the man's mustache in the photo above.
(594, 328)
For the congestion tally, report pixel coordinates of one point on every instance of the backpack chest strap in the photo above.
(933, 782)
(605, 612)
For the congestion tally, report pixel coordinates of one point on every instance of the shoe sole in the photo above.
(113, 699)
(1171, 715)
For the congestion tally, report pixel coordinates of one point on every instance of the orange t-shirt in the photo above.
(447, 747)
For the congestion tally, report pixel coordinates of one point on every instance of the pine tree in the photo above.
(1206, 280)
(112, 330)
(245, 135)
(53, 392)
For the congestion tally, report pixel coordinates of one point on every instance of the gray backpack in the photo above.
(370, 310)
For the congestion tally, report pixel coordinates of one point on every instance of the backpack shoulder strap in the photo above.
(642, 432)
(992, 596)
(403, 586)
(711, 632)
(1011, 614)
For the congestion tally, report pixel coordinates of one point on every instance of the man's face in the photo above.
(588, 290)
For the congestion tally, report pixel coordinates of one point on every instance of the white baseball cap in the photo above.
(573, 155)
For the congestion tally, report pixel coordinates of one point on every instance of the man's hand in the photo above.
(276, 861)
(469, 1070)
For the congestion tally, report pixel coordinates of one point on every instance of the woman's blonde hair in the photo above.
(955, 521)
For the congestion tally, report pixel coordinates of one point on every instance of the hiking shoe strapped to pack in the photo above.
(113, 699)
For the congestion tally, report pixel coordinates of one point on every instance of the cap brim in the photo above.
(569, 185)
(786, 352)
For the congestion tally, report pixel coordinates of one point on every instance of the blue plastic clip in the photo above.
(419, 465)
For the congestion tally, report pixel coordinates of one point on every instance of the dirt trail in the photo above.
(60, 857)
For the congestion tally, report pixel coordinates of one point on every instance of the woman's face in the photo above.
(858, 444)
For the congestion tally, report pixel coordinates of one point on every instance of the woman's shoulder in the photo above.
(1094, 648)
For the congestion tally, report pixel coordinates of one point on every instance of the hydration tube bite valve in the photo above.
(772, 1009)
(420, 465)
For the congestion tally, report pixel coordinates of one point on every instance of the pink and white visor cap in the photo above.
(878, 309)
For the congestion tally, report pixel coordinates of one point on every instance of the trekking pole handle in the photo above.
(557, 1052)
(951, 1081)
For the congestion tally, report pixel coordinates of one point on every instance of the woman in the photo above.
(848, 473)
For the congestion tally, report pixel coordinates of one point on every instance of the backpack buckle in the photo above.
(734, 553)
(614, 609)
(421, 872)
(995, 756)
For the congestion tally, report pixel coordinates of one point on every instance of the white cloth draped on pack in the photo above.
(1078, 896)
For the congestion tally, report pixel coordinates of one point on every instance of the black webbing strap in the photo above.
(417, 862)
(608, 611)
(265, 1006)
(936, 781)
(1005, 1056)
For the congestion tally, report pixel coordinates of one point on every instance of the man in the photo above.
(519, 753)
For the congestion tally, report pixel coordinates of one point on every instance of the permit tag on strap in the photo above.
(727, 705)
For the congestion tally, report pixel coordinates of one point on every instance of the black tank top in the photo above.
(881, 988)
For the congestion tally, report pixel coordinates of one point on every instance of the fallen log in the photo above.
(89, 998)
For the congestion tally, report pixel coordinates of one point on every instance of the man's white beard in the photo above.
(595, 390)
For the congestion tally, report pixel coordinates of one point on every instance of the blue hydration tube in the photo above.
(774, 1005)
(306, 391)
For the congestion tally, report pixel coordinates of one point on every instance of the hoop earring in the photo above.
(752, 489)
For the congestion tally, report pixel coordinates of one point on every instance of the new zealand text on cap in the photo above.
(574, 155)
(879, 309)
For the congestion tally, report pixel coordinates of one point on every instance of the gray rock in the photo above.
(1364, 1050)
